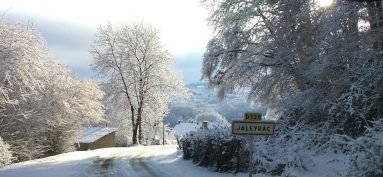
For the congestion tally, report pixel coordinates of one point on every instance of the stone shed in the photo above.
(97, 137)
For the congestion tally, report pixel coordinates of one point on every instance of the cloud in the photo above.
(58, 32)
(182, 23)
(70, 42)
(61, 34)
(66, 42)
(74, 59)
(189, 66)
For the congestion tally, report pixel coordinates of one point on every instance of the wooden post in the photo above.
(179, 143)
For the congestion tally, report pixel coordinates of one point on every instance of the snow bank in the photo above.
(72, 164)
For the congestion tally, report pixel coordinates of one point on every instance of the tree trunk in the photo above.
(375, 12)
(140, 134)
(134, 137)
(139, 122)
(380, 24)
(134, 129)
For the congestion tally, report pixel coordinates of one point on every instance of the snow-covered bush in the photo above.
(367, 153)
(5, 153)
(289, 150)
(361, 104)
(216, 149)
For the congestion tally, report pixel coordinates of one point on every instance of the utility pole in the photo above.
(163, 133)
(163, 130)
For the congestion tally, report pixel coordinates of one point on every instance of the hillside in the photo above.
(204, 104)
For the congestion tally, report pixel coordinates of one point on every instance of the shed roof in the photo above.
(92, 134)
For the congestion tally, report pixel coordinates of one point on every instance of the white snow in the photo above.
(63, 165)
(327, 165)
(161, 160)
(182, 129)
(93, 133)
(145, 161)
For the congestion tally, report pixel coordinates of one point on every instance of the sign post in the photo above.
(252, 125)
(251, 138)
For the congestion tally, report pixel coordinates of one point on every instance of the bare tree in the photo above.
(136, 67)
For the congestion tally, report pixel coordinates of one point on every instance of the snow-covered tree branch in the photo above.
(42, 105)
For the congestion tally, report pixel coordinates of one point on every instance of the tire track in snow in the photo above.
(125, 165)
(102, 167)
(139, 165)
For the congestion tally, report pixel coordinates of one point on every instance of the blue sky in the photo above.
(69, 28)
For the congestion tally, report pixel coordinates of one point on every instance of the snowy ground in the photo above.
(144, 161)
(140, 161)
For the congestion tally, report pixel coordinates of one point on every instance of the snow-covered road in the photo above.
(140, 161)
(122, 165)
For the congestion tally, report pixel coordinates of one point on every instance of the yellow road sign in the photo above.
(253, 116)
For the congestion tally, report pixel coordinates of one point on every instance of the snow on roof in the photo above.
(92, 134)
